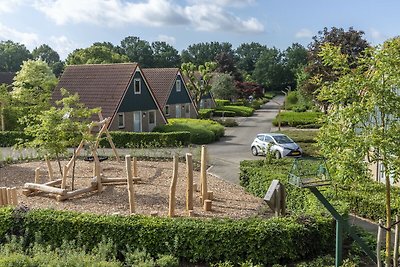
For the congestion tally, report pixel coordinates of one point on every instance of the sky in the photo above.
(66, 25)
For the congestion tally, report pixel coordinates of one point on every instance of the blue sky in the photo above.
(69, 24)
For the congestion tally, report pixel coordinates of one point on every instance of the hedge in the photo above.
(293, 119)
(270, 241)
(239, 110)
(205, 113)
(10, 138)
(147, 139)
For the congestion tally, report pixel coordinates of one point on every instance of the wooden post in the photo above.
(37, 175)
(172, 188)
(109, 138)
(1, 198)
(64, 177)
(14, 196)
(4, 196)
(189, 177)
(203, 173)
(210, 195)
(134, 167)
(396, 243)
(9, 196)
(378, 244)
(97, 171)
(129, 177)
(207, 205)
(49, 169)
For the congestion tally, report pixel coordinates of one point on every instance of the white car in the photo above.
(279, 144)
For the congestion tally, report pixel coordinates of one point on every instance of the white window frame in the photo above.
(166, 109)
(137, 91)
(121, 115)
(178, 85)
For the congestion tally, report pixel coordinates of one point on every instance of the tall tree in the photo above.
(32, 88)
(295, 59)
(247, 56)
(223, 87)
(200, 53)
(50, 56)
(199, 79)
(351, 43)
(12, 55)
(226, 64)
(95, 54)
(138, 50)
(165, 55)
(363, 117)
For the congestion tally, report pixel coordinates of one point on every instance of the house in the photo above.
(7, 78)
(171, 92)
(120, 90)
(207, 100)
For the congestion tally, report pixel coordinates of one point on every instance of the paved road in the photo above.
(225, 155)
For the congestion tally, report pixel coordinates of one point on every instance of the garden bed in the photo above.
(151, 192)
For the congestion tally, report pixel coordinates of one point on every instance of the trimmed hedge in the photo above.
(10, 138)
(223, 113)
(205, 113)
(221, 102)
(147, 139)
(293, 119)
(270, 241)
(239, 110)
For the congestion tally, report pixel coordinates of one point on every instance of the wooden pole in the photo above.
(109, 138)
(172, 188)
(9, 196)
(131, 192)
(1, 198)
(49, 169)
(3, 128)
(189, 177)
(37, 175)
(4, 195)
(64, 177)
(378, 244)
(396, 244)
(14, 196)
(203, 173)
(134, 167)
(97, 171)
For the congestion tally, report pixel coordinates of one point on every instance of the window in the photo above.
(152, 117)
(178, 85)
(137, 86)
(121, 120)
(187, 108)
(166, 110)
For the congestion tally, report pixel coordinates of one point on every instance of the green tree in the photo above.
(223, 87)
(32, 88)
(363, 117)
(351, 43)
(138, 50)
(247, 56)
(295, 59)
(199, 79)
(226, 64)
(12, 55)
(5, 99)
(200, 53)
(165, 55)
(50, 56)
(95, 54)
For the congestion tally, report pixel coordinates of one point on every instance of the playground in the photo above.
(151, 192)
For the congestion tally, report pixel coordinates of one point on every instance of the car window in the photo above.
(260, 137)
(283, 139)
(268, 139)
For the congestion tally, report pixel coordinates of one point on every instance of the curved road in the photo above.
(226, 154)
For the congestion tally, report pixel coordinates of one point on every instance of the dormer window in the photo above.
(178, 85)
(137, 86)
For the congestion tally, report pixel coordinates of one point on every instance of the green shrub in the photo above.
(205, 113)
(6, 221)
(269, 95)
(10, 138)
(293, 119)
(167, 261)
(239, 110)
(221, 102)
(223, 113)
(193, 240)
(147, 139)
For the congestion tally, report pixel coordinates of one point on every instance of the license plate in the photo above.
(295, 153)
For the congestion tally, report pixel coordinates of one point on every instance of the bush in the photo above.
(10, 138)
(221, 102)
(239, 110)
(293, 119)
(261, 241)
(223, 113)
(147, 139)
(201, 131)
(205, 113)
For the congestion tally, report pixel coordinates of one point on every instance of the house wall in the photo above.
(180, 99)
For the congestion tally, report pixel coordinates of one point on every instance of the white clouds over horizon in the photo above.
(202, 15)
(7, 6)
(62, 45)
(30, 40)
(304, 33)
(168, 39)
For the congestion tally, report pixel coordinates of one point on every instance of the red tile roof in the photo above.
(161, 81)
(98, 85)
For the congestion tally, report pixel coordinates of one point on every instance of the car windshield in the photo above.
(282, 139)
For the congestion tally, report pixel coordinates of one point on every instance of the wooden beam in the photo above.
(203, 173)
(76, 193)
(46, 188)
(49, 169)
(172, 188)
(131, 192)
(189, 180)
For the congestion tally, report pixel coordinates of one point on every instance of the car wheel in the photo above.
(277, 154)
(254, 151)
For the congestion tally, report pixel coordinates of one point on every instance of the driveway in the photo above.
(226, 154)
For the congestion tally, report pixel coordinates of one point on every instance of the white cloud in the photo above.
(235, 3)
(8, 6)
(62, 45)
(168, 39)
(304, 33)
(31, 40)
(202, 15)
(377, 35)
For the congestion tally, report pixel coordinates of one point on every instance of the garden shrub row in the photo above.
(147, 139)
(10, 138)
(205, 113)
(294, 119)
(201, 131)
(239, 110)
(276, 240)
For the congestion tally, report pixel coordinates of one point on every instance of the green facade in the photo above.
(178, 97)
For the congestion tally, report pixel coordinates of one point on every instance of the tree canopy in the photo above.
(137, 50)
(12, 55)
(247, 56)
(200, 53)
(95, 54)
(165, 55)
(50, 56)
(223, 87)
